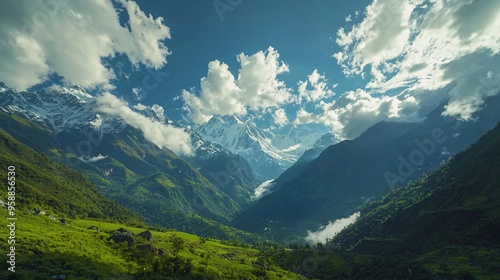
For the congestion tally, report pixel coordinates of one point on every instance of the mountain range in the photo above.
(80, 164)
(66, 229)
(124, 165)
(443, 225)
(347, 175)
(269, 154)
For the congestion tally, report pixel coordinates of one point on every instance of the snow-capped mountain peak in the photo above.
(77, 91)
(59, 108)
(268, 153)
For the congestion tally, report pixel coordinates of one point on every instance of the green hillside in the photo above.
(48, 248)
(345, 175)
(449, 220)
(64, 227)
(459, 204)
(443, 226)
(154, 188)
(156, 177)
(53, 187)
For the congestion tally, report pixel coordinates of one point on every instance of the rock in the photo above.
(35, 211)
(122, 230)
(148, 248)
(94, 228)
(162, 252)
(147, 235)
(120, 237)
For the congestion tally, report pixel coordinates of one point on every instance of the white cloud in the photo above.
(280, 117)
(382, 35)
(219, 95)
(257, 87)
(71, 39)
(319, 89)
(355, 111)
(140, 107)
(89, 159)
(139, 94)
(173, 138)
(304, 117)
(424, 46)
(263, 189)
(332, 229)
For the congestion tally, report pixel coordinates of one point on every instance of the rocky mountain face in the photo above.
(268, 153)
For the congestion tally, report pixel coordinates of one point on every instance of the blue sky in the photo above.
(302, 32)
(390, 61)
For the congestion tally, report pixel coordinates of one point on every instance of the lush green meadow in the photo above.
(46, 248)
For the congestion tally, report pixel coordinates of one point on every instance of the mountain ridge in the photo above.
(330, 187)
(269, 153)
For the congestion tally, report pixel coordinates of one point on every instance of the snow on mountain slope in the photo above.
(269, 154)
(73, 109)
(59, 108)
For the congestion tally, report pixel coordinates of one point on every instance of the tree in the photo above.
(178, 244)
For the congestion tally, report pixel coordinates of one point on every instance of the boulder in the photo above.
(94, 228)
(148, 248)
(162, 252)
(147, 235)
(120, 237)
(122, 230)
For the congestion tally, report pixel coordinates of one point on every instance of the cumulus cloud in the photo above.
(256, 87)
(219, 94)
(71, 39)
(355, 111)
(139, 94)
(304, 117)
(280, 117)
(381, 36)
(423, 46)
(319, 89)
(332, 229)
(173, 138)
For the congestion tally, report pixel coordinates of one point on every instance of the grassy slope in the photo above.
(153, 203)
(46, 247)
(54, 187)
